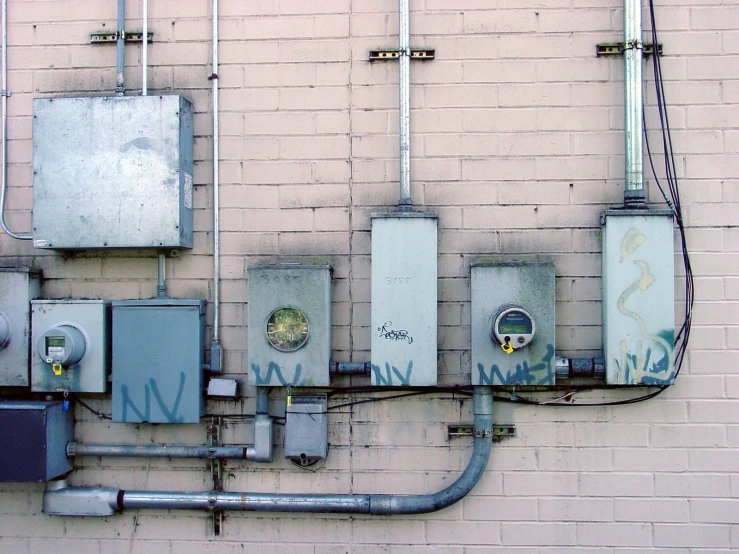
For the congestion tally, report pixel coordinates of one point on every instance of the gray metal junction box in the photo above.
(112, 172)
(638, 297)
(70, 345)
(289, 325)
(513, 324)
(158, 357)
(33, 440)
(18, 286)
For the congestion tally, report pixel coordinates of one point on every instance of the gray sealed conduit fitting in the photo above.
(81, 501)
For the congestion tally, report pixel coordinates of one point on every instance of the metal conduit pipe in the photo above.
(145, 48)
(161, 276)
(62, 500)
(633, 104)
(350, 368)
(75, 449)
(120, 87)
(215, 348)
(4, 126)
(404, 64)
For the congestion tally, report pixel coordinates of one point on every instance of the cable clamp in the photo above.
(483, 433)
(6, 93)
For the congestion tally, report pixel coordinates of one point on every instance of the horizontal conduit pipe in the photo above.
(75, 449)
(102, 501)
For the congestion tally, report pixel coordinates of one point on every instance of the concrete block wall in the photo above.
(517, 144)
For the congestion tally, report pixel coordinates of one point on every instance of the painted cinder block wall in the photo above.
(517, 145)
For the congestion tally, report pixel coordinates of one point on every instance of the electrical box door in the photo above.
(158, 357)
(112, 172)
(70, 345)
(33, 440)
(513, 323)
(18, 286)
(638, 297)
(289, 325)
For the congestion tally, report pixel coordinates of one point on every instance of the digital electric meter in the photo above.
(513, 328)
(61, 346)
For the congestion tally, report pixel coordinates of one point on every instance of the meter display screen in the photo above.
(287, 329)
(515, 323)
(54, 345)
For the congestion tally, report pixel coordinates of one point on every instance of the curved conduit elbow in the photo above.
(75, 501)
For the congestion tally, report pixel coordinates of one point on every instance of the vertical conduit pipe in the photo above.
(120, 87)
(404, 58)
(161, 276)
(145, 49)
(633, 104)
(4, 126)
(215, 349)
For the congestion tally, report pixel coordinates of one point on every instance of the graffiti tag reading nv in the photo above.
(389, 334)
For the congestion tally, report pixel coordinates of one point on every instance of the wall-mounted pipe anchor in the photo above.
(390, 55)
(107, 37)
(499, 432)
(618, 48)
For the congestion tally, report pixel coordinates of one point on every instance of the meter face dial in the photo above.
(55, 346)
(287, 329)
(513, 328)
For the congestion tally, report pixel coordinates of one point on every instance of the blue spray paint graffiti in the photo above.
(170, 415)
(274, 368)
(387, 379)
(538, 374)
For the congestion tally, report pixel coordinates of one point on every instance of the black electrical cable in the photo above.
(98, 413)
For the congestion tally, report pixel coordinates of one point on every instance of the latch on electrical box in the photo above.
(390, 55)
(500, 432)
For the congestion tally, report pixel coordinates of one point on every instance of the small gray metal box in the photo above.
(91, 319)
(158, 357)
(638, 297)
(306, 429)
(33, 440)
(495, 287)
(18, 286)
(112, 172)
(305, 289)
(404, 293)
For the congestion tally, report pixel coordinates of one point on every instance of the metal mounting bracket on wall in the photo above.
(500, 432)
(106, 37)
(390, 55)
(617, 49)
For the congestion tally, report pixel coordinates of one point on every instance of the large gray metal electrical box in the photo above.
(638, 297)
(513, 323)
(33, 440)
(158, 357)
(112, 172)
(289, 325)
(306, 429)
(404, 291)
(18, 286)
(70, 345)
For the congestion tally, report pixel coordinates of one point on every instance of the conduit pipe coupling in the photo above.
(61, 500)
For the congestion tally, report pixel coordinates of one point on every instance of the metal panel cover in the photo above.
(404, 291)
(18, 286)
(112, 172)
(638, 297)
(529, 285)
(33, 440)
(306, 288)
(158, 356)
(92, 318)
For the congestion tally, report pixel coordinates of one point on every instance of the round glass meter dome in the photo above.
(287, 329)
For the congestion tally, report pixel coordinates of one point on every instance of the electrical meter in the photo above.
(513, 328)
(61, 346)
(4, 330)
